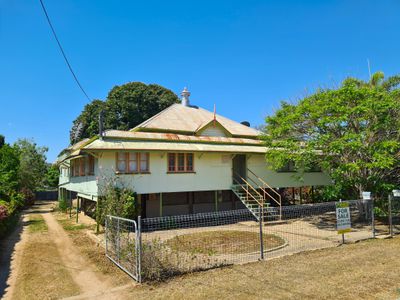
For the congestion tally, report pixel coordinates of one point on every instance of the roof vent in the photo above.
(185, 97)
(245, 123)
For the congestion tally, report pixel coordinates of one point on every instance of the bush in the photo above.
(16, 201)
(29, 196)
(63, 205)
(120, 202)
(155, 264)
(3, 212)
(381, 208)
(8, 218)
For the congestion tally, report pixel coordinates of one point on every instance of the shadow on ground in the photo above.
(7, 246)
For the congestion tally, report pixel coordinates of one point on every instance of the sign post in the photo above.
(343, 221)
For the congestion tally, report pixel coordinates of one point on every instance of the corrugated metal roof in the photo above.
(171, 146)
(180, 118)
(177, 137)
(78, 144)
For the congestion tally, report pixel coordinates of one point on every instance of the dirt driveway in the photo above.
(45, 264)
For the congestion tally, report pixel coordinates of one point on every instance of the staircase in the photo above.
(256, 195)
(251, 199)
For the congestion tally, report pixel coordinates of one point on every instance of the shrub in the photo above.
(29, 196)
(8, 218)
(63, 205)
(16, 201)
(157, 262)
(120, 202)
(3, 212)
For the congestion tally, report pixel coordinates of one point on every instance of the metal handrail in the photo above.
(247, 190)
(248, 184)
(265, 191)
(248, 193)
(263, 182)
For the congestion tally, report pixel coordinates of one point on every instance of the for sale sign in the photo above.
(343, 220)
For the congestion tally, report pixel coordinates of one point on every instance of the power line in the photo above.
(62, 50)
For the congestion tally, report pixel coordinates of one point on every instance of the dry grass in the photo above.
(70, 225)
(223, 242)
(366, 270)
(92, 250)
(36, 223)
(42, 274)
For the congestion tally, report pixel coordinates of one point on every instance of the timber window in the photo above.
(132, 162)
(144, 162)
(288, 167)
(90, 170)
(82, 166)
(313, 167)
(180, 162)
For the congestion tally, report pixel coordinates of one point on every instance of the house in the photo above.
(183, 160)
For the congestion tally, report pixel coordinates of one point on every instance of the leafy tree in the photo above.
(33, 167)
(352, 132)
(2, 140)
(87, 123)
(130, 104)
(9, 166)
(52, 176)
(126, 106)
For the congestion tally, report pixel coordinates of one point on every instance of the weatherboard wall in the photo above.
(257, 164)
(212, 171)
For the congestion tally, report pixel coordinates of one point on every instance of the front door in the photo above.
(239, 168)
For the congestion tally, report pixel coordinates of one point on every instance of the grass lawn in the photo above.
(365, 270)
(223, 242)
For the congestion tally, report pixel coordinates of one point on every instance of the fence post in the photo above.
(77, 210)
(261, 231)
(106, 233)
(340, 200)
(372, 217)
(390, 216)
(139, 250)
(118, 246)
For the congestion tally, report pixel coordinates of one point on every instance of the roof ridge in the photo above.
(153, 117)
(226, 118)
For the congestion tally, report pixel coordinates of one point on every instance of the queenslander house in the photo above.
(183, 160)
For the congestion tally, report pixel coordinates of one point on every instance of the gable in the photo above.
(213, 131)
(213, 128)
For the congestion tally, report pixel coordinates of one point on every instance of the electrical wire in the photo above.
(62, 50)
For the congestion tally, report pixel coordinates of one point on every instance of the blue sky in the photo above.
(245, 56)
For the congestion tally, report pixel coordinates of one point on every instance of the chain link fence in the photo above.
(179, 244)
(388, 215)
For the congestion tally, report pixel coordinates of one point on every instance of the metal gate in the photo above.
(123, 241)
